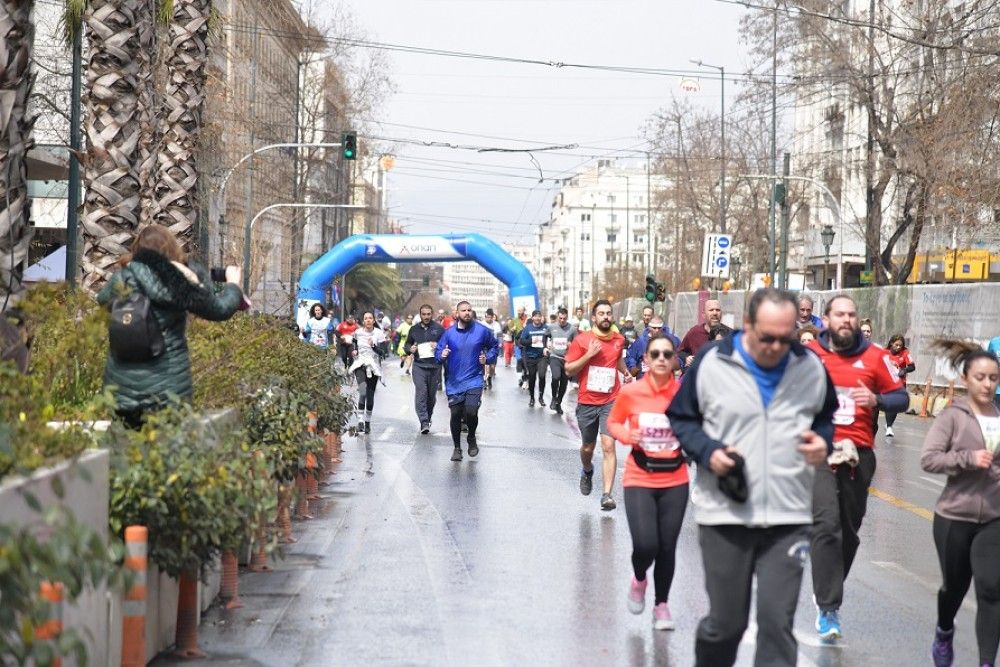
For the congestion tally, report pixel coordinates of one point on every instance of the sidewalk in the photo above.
(229, 636)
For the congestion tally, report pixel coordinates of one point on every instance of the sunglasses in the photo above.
(656, 354)
(767, 339)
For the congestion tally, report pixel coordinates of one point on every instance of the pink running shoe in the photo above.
(637, 596)
(662, 620)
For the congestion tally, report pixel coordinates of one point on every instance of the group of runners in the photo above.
(780, 418)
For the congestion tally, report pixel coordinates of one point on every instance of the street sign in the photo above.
(716, 256)
(867, 277)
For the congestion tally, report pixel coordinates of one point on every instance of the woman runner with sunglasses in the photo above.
(655, 481)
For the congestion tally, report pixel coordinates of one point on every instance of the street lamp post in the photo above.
(248, 231)
(229, 172)
(827, 237)
(722, 181)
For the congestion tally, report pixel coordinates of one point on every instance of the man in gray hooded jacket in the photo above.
(754, 412)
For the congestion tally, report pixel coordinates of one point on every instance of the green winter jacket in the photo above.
(174, 292)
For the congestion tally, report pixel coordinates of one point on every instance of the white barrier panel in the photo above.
(919, 312)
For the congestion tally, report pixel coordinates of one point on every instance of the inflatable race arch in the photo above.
(386, 248)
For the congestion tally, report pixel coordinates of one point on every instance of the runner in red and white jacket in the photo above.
(904, 364)
(866, 381)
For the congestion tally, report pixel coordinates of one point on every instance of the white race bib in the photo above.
(657, 436)
(536, 340)
(560, 343)
(425, 350)
(601, 380)
(348, 339)
(846, 408)
(990, 427)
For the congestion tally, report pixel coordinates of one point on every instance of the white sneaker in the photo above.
(662, 620)
(888, 432)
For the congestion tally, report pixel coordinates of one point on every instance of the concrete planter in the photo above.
(86, 497)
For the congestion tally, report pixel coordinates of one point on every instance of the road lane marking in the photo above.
(386, 434)
(932, 480)
(901, 504)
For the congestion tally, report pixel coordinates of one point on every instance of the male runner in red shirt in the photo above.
(866, 381)
(595, 356)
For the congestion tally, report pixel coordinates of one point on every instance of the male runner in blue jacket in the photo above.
(465, 349)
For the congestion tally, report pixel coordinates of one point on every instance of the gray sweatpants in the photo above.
(731, 556)
(425, 386)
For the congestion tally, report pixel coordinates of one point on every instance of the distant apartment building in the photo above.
(468, 281)
(602, 217)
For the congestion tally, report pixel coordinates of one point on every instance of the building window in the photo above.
(612, 238)
(614, 217)
(611, 199)
(609, 256)
(638, 238)
(640, 218)
(584, 217)
(584, 236)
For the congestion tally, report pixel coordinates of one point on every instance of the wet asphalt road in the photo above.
(415, 560)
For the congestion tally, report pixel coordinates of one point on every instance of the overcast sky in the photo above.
(478, 103)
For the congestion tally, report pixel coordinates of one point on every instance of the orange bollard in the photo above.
(258, 559)
(231, 580)
(950, 393)
(313, 422)
(927, 398)
(285, 514)
(53, 626)
(186, 637)
(134, 613)
(302, 509)
(312, 479)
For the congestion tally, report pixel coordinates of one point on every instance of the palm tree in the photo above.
(17, 34)
(370, 285)
(176, 187)
(118, 79)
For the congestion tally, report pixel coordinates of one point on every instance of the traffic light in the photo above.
(650, 287)
(661, 292)
(349, 145)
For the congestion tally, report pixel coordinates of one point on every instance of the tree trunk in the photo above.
(120, 37)
(17, 33)
(176, 191)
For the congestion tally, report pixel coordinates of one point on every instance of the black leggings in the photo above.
(537, 370)
(366, 389)
(559, 379)
(890, 419)
(654, 519)
(969, 552)
(460, 413)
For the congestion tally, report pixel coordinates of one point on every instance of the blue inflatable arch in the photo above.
(385, 248)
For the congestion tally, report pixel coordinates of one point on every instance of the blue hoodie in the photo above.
(462, 368)
(633, 357)
(529, 335)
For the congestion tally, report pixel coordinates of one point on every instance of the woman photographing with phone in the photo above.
(962, 444)
(655, 481)
(369, 349)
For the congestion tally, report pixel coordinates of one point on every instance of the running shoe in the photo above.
(425, 428)
(457, 454)
(608, 503)
(558, 408)
(662, 620)
(942, 651)
(828, 625)
(541, 401)
(637, 595)
(473, 447)
(888, 432)
(586, 482)
(531, 402)
(368, 427)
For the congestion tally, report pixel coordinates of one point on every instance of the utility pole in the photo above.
(871, 234)
(650, 260)
(785, 171)
(774, 141)
(75, 144)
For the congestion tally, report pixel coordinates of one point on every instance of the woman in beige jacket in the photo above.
(962, 444)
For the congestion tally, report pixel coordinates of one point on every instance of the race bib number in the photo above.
(657, 436)
(645, 367)
(537, 340)
(601, 380)
(348, 339)
(508, 338)
(560, 343)
(425, 350)
(846, 407)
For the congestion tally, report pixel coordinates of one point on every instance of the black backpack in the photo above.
(134, 334)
